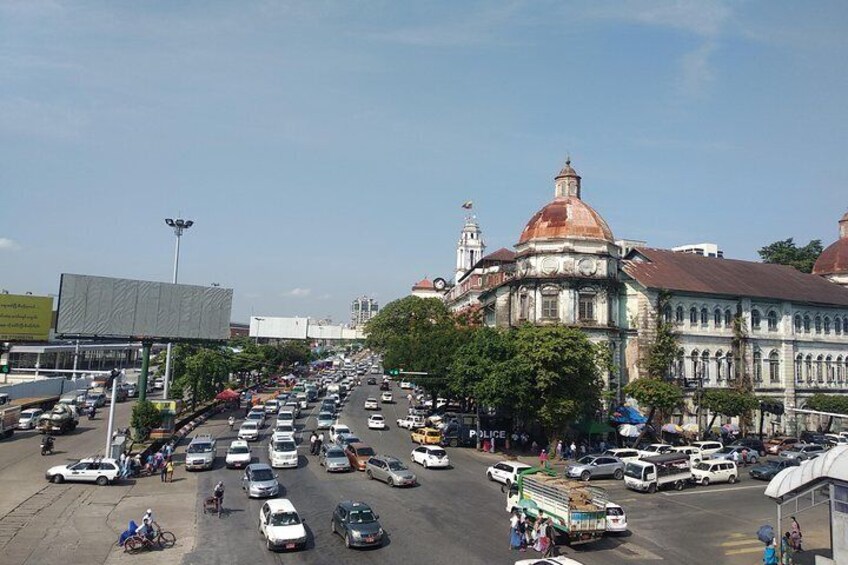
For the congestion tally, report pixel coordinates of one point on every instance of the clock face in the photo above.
(587, 267)
(440, 284)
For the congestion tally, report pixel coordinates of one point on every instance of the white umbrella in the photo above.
(691, 427)
(629, 430)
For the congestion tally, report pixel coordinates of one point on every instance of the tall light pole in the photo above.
(258, 321)
(179, 225)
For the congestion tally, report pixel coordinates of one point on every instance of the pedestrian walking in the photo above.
(559, 450)
(514, 536)
(735, 457)
(572, 450)
(745, 456)
(603, 446)
(550, 550)
(485, 446)
(163, 473)
(796, 536)
(543, 459)
(169, 470)
(313, 441)
(492, 446)
(786, 549)
(770, 555)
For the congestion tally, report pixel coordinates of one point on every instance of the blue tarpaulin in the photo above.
(627, 415)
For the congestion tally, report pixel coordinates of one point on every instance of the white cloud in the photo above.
(7, 244)
(299, 292)
(697, 73)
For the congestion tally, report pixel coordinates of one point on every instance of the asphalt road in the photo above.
(457, 516)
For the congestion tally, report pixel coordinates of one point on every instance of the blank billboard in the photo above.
(107, 307)
(278, 328)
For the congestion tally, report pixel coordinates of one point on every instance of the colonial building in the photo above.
(425, 289)
(792, 332)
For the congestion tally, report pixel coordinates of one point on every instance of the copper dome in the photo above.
(566, 218)
(834, 259)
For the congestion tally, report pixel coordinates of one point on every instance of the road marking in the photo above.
(713, 491)
(746, 550)
(739, 542)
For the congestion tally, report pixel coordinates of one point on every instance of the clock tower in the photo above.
(470, 247)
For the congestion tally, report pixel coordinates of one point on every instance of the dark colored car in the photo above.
(385, 385)
(772, 467)
(752, 443)
(358, 454)
(357, 524)
(371, 381)
(814, 437)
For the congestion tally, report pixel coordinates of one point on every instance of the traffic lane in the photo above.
(22, 466)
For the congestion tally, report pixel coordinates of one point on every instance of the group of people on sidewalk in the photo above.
(315, 442)
(525, 533)
(790, 544)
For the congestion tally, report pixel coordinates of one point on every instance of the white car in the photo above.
(386, 397)
(336, 430)
(284, 429)
(376, 422)
(429, 456)
(281, 526)
(29, 418)
(506, 472)
(715, 471)
(655, 449)
(91, 470)
(159, 384)
(616, 518)
(282, 452)
(411, 422)
(238, 454)
(371, 404)
(249, 431)
(624, 453)
(707, 447)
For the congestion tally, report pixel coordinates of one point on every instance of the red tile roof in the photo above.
(501, 255)
(684, 272)
(424, 283)
(565, 218)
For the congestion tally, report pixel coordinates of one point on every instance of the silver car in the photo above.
(596, 466)
(325, 420)
(260, 481)
(390, 470)
(803, 451)
(334, 459)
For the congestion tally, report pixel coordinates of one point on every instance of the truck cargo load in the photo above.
(653, 473)
(62, 418)
(576, 509)
(9, 416)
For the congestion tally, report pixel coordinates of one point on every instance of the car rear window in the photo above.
(365, 451)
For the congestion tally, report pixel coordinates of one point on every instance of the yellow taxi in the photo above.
(427, 436)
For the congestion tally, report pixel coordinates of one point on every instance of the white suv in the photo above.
(707, 447)
(506, 472)
(715, 471)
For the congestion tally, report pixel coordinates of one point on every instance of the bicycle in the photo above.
(162, 540)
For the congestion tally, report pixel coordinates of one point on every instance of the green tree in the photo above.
(657, 394)
(563, 368)
(145, 417)
(833, 403)
(786, 252)
(205, 373)
(665, 347)
(729, 402)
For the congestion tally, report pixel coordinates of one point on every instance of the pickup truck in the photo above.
(411, 422)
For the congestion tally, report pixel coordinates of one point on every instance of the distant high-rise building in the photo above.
(361, 310)
(705, 249)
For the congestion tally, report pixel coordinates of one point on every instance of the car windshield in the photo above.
(263, 475)
(325, 416)
(248, 426)
(727, 449)
(365, 452)
(361, 516)
(586, 460)
(376, 417)
(437, 452)
(254, 416)
(396, 466)
(285, 519)
(284, 446)
(702, 467)
(335, 453)
(634, 471)
(239, 449)
(615, 511)
(199, 448)
(285, 428)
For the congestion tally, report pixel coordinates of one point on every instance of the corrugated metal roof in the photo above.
(792, 480)
(684, 272)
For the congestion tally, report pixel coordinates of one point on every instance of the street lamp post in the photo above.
(179, 225)
(258, 321)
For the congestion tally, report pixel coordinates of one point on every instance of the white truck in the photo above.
(576, 509)
(653, 473)
(9, 416)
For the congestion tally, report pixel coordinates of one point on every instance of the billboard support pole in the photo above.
(145, 366)
(111, 420)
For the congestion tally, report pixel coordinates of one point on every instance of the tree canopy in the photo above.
(834, 403)
(786, 252)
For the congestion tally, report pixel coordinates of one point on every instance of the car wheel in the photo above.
(454, 443)
(347, 541)
(705, 481)
(102, 481)
(58, 479)
(652, 488)
(489, 475)
(268, 545)
(333, 526)
(425, 463)
(618, 475)
(585, 476)
(678, 485)
(508, 483)
(368, 474)
(731, 479)
(390, 482)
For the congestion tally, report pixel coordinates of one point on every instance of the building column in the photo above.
(787, 370)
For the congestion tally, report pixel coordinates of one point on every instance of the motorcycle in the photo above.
(47, 446)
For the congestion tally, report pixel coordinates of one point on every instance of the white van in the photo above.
(652, 473)
(271, 406)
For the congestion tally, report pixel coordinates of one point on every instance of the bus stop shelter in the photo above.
(822, 481)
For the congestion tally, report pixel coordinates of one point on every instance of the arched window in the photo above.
(758, 366)
(678, 315)
(774, 367)
(705, 365)
(820, 369)
(845, 325)
(806, 324)
(693, 316)
(772, 321)
(798, 325)
(696, 365)
(837, 326)
(839, 369)
(808, 368)
(719, 364)
(826, 325)
(818, 324)
(755, 319)
(586, 308)
(828, 369)
(667, 314)
(799, 364)
(727, 318)
(717, 318)
(705, 317)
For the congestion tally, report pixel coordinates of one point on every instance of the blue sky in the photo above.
(324, 148)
